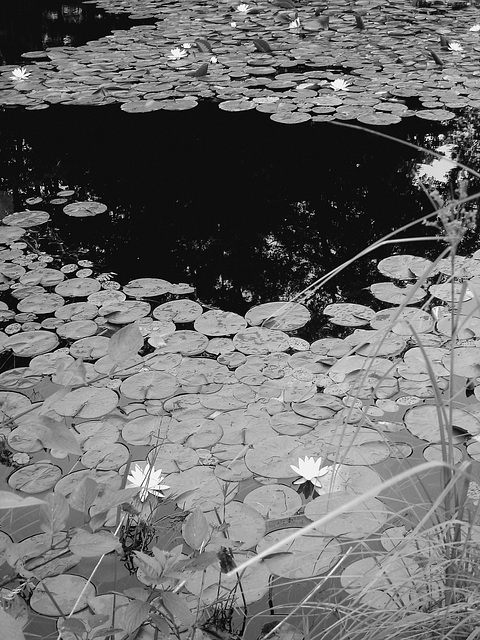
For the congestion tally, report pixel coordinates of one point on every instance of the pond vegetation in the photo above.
(171, 469)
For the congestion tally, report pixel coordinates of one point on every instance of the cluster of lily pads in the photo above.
(375, 62)
(132, 396)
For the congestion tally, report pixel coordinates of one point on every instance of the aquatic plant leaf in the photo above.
(204, 45)
(54, 513)
(77, 287)
(178, 311)
(87, 402)
(178, 607)
(83, 495)
(201, 71)
(35, 478)
(307, 556)
(196, 529)
(11, 628)
(348, 314)
(65, 589)
(435, 57)
(255, 583)
(91, 545)
(354, 522)
(284, 4)
(9, 500)
(262, 45)
(274, 501)
(219, 323)
(84, 209)
(246, 526)
(423, 422)
(285, 316)
(125, 343)
(406, 267)
(388, 292)
(31, 343)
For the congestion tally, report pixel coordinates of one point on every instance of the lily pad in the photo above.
(27, 218)
(65, 590)
(423, 422)
(86, 402)
(274, 501)
(348, 314)
(35, 478)
(77, 287)
(306, 556)
(354, 522)
(84, 209)
(31, 343)
(178, 311)
(219, 323)
(149, 385)
(258, 340)
(285, 316)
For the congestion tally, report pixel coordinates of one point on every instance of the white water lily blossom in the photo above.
(455, 46)
(295, 24)
(476, 27)
(214, 59)
(340, 84)
(310, 471)
(177, 53)
(147, 479)
(243, 8)
(20, 73)
(187, 45)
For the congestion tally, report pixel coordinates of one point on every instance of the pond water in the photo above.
(247, 211)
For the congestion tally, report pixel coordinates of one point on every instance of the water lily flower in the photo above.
(476, 27)
(340, 84)
(455, 46)
(243, 8)
(233, 24)
(147, 479)
(214, 59)
(177, 53)
(295, 24)
(20, 73)
(187, 45)
(310, 471)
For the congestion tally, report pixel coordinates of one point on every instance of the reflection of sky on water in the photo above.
(438, 169)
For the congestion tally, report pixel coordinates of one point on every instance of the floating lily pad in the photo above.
(258, 340)
(274, 501)
(206, 489)
(455, 292)
(147, 287)
(388, 292)
(35, 478)
(87, 402)
(86, 209)
(178, 311)
(348, 314)
(285, 316)
(423, 422)
(219, 323)
(188, 343)
(149, 385)
(354, 522)
(205, 584)
(406, 267)
(246, 526)
(65, 590)
(31, 343)
(306, 556)
(91, 348)
(77, 287)
(41, 303)
(27, 218)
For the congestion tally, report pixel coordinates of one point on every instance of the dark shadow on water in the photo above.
(245, 209)
(33, 25)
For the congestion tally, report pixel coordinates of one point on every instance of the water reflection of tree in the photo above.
(247, 209)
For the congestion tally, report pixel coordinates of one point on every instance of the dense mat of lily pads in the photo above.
(376, 62)
(133, 397)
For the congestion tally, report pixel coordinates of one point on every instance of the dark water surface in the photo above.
(245, 209)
